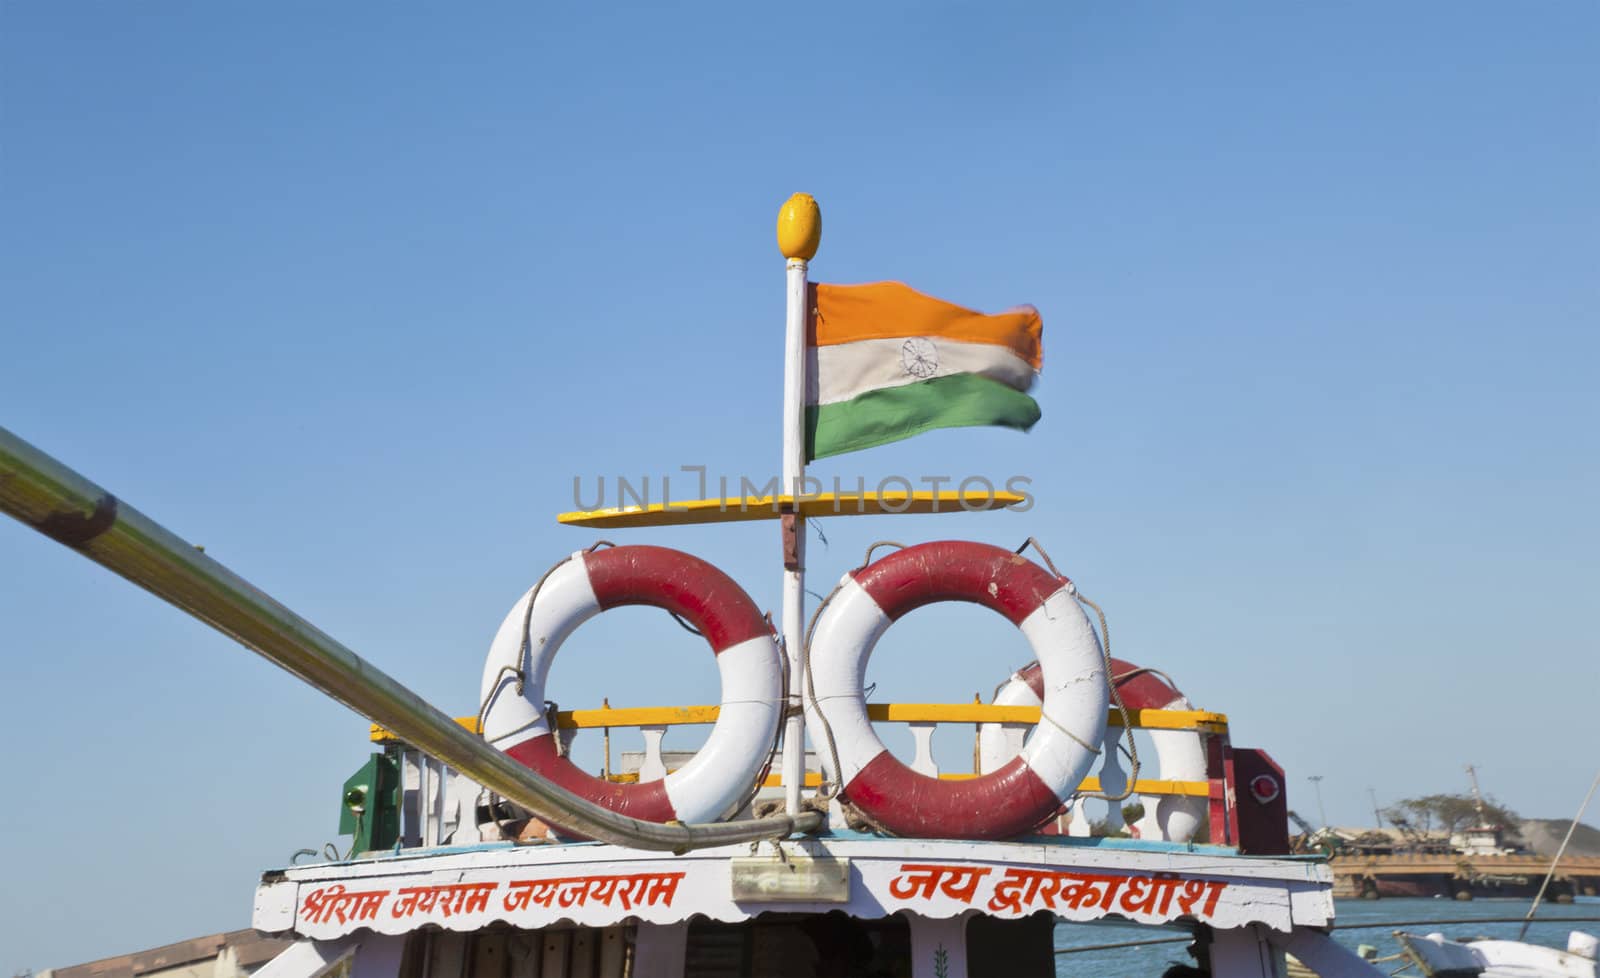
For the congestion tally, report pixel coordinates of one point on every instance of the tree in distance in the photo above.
(1448, 814)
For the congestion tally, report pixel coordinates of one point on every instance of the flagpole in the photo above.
(799, 232)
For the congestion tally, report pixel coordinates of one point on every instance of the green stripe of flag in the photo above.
(892, 413)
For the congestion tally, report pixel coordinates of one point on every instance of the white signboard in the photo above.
(600, 886)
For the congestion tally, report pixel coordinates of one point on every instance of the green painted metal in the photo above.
(369, 806)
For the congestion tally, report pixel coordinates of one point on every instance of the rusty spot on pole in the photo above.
(791, 548)
(75, 529)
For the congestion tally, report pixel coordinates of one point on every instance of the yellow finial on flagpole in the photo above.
(799, 227)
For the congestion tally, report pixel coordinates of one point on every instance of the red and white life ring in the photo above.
(1181, 754)
(1003, 803)
(713, 783)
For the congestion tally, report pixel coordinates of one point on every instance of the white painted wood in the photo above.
(441, 801)
(306, 959)
(464, 793)
(1307, 906)
(425, 800)
(998, 743)
(658, 950)
(1130, 855)
(996, 748)
(794, 468)
(1324, 955)
(438, 805)
(652, 768)
(604, 886)
(274, 908)
(1113, 781)
(922, 737)
(1078, 821)
(836, 812)
(451, 789)
(938, 947)
(1182, 757)
(411, 798)
(433, 797)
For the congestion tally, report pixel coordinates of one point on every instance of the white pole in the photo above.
(799, 231)
(794, 572)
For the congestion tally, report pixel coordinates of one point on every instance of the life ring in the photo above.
(716, 780)
(1003, 803)
(1181, 754)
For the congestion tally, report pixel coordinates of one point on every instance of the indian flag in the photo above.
(887, 362)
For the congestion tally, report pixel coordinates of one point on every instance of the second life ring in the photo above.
(1004, 803)
(717, 779)
(1180, 753)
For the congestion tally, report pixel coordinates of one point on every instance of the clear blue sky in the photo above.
(350, 294)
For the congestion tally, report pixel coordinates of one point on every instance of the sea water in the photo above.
(1381, 918)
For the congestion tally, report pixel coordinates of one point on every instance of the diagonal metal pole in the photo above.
(1557, 860)
(60, 503)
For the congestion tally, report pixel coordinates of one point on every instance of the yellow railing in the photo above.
(677, 716)
(1143, 786)
(606, 717)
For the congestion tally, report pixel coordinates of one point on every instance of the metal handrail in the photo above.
(45, 494)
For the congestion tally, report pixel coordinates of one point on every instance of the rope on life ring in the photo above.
(998, 805)
(1180, 754)
(718, 779)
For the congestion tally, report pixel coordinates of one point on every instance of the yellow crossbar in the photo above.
(677, 716)
(1143, 786)
(1152, 786)
(1203, 720)
(742, 508)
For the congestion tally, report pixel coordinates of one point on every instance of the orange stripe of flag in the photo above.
(890, 310)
